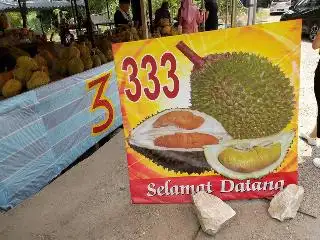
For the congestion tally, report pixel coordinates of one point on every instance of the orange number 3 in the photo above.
(100, 101)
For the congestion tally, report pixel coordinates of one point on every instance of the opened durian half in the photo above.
(175, 138)
(174, 122)
(251, 158)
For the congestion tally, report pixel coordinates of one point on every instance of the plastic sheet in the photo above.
(45, 130)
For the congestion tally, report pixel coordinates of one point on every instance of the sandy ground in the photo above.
(91, 201)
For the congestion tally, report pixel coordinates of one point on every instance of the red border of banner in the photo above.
(139, 187)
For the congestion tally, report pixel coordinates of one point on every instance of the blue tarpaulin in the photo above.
(45, 130)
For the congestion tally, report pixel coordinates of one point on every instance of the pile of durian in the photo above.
(165, 29)
(105, 46)
(29, 73)
(126, 34)
(78, 58)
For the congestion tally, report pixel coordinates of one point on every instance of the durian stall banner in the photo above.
(213, 111)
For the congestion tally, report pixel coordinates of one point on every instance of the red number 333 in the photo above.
(100, 101)
(166, 59)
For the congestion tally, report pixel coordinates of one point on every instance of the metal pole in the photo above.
(250, 12)
(234, 12)
(89, 25)
(254, 12)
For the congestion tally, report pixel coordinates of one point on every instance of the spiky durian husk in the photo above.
(38, 79)
(248, 95)
(189, 162)
(11, 88)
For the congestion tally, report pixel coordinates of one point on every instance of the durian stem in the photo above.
(191, 55)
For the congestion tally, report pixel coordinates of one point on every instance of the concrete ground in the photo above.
(91, 200)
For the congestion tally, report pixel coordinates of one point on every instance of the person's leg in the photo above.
(316, 161)
(317, 95)
(311, 138)
(314, 132)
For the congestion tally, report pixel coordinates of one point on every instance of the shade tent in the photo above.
(10, 5)
(23, 7)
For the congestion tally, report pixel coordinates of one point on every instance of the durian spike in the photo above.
(191, 55)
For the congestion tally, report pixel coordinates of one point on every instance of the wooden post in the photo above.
(108, 11)
(77, 15)
(144, 20)
(89, 25)
(72, 11)
(227, 14)
(23, 12)
(41, 24)
(204, 16)
(234, 12)
(150, 15)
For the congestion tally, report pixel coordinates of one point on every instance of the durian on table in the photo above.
(29, 73)
(78, 58)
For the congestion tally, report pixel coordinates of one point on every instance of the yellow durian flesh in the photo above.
(272, 153)
(251, 160)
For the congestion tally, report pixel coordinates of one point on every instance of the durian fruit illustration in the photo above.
(175, 138)
(246, 93)
(251, 158)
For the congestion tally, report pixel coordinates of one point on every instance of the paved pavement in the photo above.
(91, 201)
